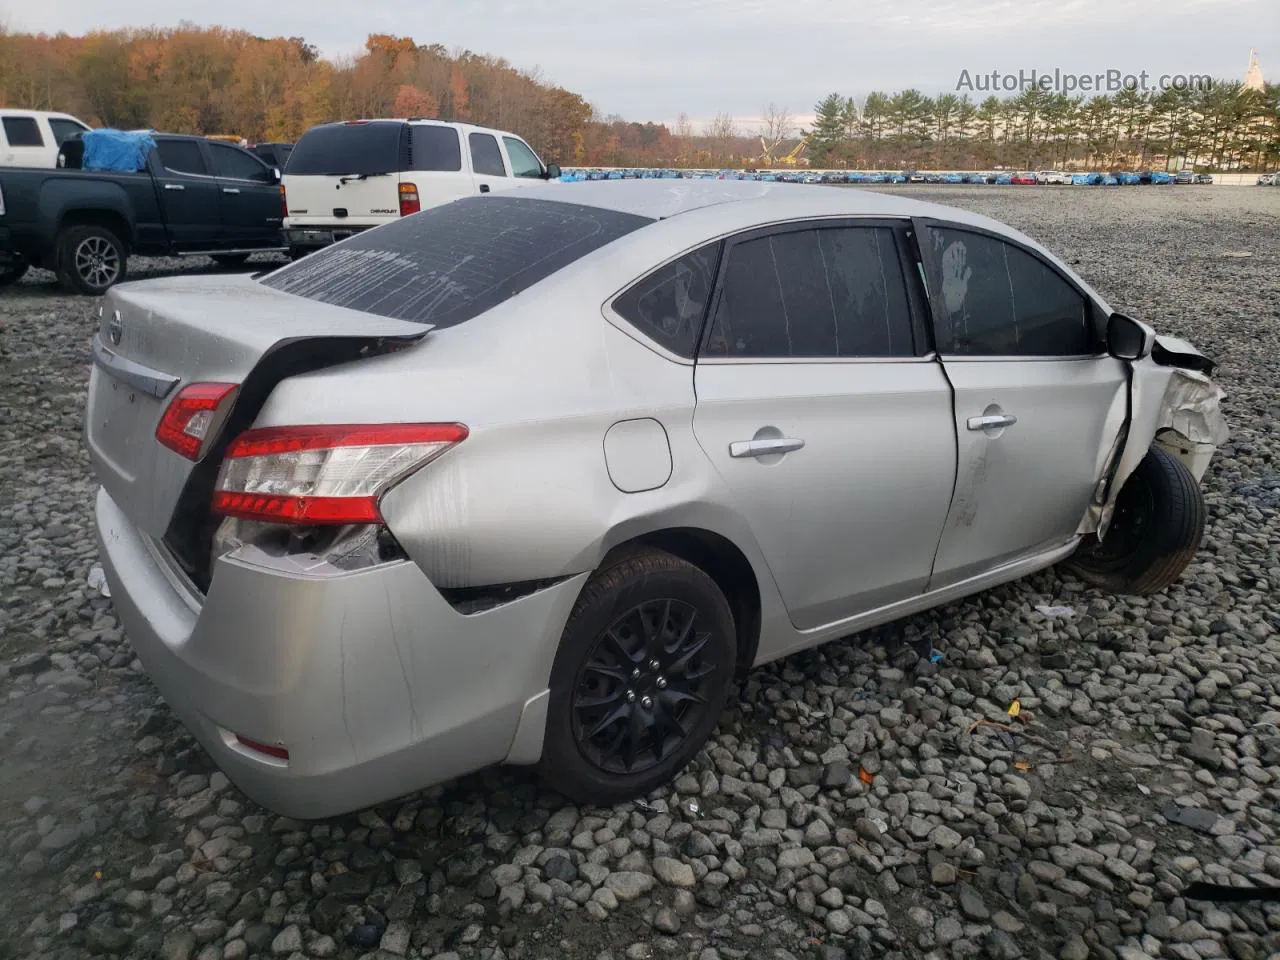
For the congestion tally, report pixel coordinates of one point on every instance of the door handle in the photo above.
(484, 188)
(174, 186)
(230, 189)
(988, 421)
(763, 448)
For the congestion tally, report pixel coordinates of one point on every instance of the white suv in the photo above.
(31, 138)
(1053, 176)
(348, 176)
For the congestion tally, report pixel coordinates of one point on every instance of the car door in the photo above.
(189, 195)
(248, 199)
(1038, 402)
(819, 406)
(487, 163)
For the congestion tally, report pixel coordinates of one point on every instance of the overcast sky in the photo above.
(655, 59)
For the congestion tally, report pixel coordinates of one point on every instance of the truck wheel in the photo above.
(12, 273)
(645, 663)
(90, 260)
(297, 253)
(230, 260)
(1157, 526)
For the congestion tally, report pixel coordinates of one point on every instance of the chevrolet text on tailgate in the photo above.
(343, 178)
(534, 477)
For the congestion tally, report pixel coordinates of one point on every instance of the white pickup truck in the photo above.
(31, 138)
(345, 177)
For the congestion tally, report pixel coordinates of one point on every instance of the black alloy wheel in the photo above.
(645, 664)
(642, 687)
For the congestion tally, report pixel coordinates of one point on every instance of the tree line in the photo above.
(1221, 126)
(214, 80)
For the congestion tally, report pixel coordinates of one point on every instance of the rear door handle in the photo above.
(763, 448)
(174, 186)
(230, 189)
(988, 421)
(484, 188)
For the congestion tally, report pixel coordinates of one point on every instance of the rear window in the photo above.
(336, 149)
(453, 262)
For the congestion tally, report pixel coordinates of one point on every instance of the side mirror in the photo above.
(1127, 339)
(553, 171)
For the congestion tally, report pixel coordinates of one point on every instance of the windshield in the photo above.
(453, 262)
(348, 148)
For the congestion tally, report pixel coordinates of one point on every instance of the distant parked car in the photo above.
(1160, 177)
(1052, 177)
(186, 196)
(1023, 179)
(1204, 178)
(368, 531)
(31, 138)
(1185, 176)
(345, 177)
(1266, 180)
(272, 154)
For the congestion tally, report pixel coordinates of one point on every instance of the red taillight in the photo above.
(409, 199)
(186, 421)
(284, 202)
(280, 753)
(324, 474)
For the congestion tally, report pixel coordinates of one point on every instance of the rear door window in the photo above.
(434, 148)
(453, 262)
(182, 156)
(829, 292)
(236, 164)
(486, 158)
(338, 149)
(22, 132)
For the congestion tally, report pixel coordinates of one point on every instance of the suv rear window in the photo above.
(335, 149)
(451, 263)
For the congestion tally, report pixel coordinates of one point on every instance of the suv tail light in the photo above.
(324, 474)
(409, 199)
(284, 202)
(184, 428)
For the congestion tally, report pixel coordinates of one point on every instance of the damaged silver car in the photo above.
(534, 479)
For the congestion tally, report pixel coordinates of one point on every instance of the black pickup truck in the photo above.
(197, 197)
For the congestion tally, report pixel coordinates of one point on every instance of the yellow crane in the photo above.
(793, 158)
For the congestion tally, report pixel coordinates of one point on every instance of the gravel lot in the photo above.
(1050, 837)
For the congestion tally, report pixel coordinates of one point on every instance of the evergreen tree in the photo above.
(827, 135)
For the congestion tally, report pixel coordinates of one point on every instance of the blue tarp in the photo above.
(119, 151)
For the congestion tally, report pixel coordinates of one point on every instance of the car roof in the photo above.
(423, 121)
(661, 199)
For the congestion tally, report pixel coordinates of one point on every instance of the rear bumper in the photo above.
(374, 684)
(310, 238)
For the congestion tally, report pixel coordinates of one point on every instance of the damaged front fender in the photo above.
(1173, 404)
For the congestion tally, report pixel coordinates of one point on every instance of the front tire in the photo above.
(645, 664)
(1158, 524)
(90, 259)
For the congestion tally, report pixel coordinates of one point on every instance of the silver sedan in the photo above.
(534, 479)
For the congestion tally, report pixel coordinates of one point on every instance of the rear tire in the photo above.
(297, 253)
(1157, 527)
(90, 260)
(11, 274)
(229, 260)
(644, 666)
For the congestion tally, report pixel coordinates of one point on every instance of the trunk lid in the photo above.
(343, 201)
(158, 336)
